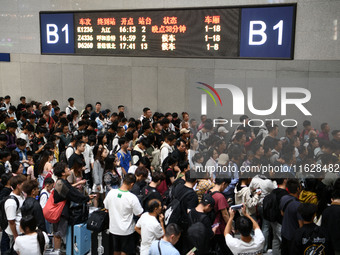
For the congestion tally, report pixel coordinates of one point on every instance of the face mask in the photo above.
(57, 141)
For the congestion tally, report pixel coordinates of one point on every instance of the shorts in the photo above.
(124, 244)
(60, 228)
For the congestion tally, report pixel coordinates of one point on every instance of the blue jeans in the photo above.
(277, 240)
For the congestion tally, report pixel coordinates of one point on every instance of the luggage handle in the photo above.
(75, 246)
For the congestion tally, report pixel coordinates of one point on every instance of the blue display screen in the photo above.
(57, 34)
(267, 32)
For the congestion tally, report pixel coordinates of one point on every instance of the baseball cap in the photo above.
(47, 103)
(208, 199)
(184, 131)
(222, 130)
(223, 159)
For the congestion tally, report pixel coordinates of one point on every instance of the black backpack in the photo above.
(271, 207)
(197, 234)
(63, 157)
(145, 194)
(175, 212)
(271, 210)
(3, 217)
(98, 221)
(168, 195)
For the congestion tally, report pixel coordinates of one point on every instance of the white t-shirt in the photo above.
(12, 213)
(122, 205)
(70, 109)
(28, 244)
(255, 246)
(151, 230)
(44, 195)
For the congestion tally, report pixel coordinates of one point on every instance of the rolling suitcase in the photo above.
(78, 239)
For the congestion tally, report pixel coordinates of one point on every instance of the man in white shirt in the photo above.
(248, 244)
(139, 151)
(147, 114)
(88, 155)
(166, 147)
(115, 144)
(13, 211)
(148, 226)
(70, 108)
(122, 206)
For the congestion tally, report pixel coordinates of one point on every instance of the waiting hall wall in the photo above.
(163, 83)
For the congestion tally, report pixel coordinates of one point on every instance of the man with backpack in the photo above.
(200, 231)
(10, 209)
(150, 192)
(221, 212)
(183, 199)
(166, 147)
(292, 220)
(139, 150)
(272, 213)
(141, 174)
(64, 191)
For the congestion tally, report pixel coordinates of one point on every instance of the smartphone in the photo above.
(192, 250)
(236, 207)
(216, 224)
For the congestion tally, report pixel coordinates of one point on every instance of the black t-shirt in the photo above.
(2, 168)
(309, 239)
(90, 132)
(21, 107)
(331, 224)
(159, 139)
(176, 123)
(94, 115)
(55, 118)
(181, 156)
(190, 200)
(37, 143)
(76, 158)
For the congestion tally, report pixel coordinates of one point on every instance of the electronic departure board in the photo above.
(224, 32)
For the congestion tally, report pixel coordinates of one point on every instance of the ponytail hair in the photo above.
(41, 241)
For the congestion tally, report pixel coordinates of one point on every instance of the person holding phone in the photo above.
(244, 224)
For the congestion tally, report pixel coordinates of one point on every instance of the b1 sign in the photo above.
(267, 32)
(57, 35)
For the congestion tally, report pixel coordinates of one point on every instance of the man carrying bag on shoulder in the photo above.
(64, 191)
